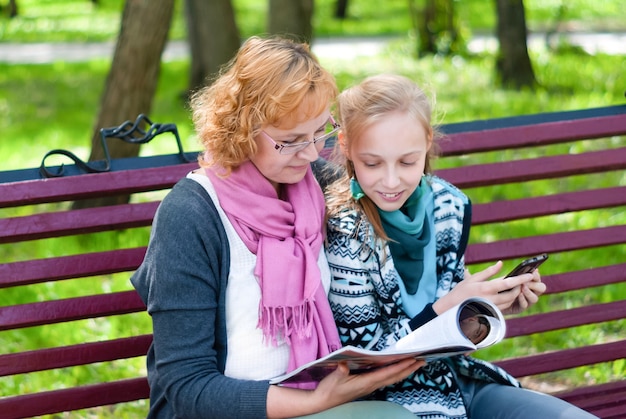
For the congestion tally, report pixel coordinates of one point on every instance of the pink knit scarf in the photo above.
(286, 236)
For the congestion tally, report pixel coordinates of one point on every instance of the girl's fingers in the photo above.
(513, 281)
(486, 273)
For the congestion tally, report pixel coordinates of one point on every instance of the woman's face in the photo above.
(389, 159)
(288, 168)
(475, 328)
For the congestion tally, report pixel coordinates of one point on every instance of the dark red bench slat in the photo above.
(91, 220)
(78, 308)
(586, 278)
(533, 169)
(563, 319)
(549, 243)
(91, 185)
(564, 359)
(603, 399)
(615, 411)
(498, 211)
(68, 356)
(533, 135)
(66, 267)
(82, 221)
(75, 398)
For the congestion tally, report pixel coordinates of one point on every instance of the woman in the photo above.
(235, 276)
(396, 241)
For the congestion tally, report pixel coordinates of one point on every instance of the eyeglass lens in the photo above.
(329, 131)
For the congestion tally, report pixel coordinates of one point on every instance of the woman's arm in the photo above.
(181, 282)
(337, 388)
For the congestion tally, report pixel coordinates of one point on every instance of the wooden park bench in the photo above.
(590, 147)
(545, 149)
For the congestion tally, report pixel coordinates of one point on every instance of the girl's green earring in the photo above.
(355, 189)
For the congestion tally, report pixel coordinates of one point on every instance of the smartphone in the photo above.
(528, 265)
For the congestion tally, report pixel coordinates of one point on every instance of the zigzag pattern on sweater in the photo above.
(427, 396)
(342, 248)
(430, 403)
(368, 333)
(429, 393)
(447, 238)
(352, 316)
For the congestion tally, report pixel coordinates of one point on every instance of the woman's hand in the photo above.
(508, 294)
(341, 386)
(337, 388)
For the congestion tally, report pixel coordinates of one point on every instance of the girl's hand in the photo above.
(529, 295)
(503, 292)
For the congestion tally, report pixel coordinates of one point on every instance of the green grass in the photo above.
(80, 20)
(54, 106)
(63, 97)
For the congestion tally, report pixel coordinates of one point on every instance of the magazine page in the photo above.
(361, 360)
(448, 334)
(475, 323)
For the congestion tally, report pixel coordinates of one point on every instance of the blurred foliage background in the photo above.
(53, 105)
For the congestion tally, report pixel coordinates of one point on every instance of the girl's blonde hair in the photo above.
(266, 81)
(361, 106)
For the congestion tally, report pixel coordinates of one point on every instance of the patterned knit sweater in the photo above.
(365, 298)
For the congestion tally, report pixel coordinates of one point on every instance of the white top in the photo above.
(249, 357)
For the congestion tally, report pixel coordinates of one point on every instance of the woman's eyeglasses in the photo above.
(330, 129)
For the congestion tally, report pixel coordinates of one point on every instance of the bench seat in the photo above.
(519, 151)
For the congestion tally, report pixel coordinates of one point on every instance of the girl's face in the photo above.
(288, 168)
(389, 159)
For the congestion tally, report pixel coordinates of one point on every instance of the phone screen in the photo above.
(528, 265)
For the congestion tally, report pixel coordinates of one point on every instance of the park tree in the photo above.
(513, 66)
(10, 9)
(213, 37)
(341, 9)
(132, 80)
(291, 17)
(436, 27)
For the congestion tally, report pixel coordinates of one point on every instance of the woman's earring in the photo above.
(355, 189)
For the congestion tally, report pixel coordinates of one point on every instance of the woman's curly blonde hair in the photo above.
(265, 82)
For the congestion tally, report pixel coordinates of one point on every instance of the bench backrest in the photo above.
(577, 233)
(603, 152)
(569, 198)
(60, 221)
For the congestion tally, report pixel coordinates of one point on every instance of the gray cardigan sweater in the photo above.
(182, 281)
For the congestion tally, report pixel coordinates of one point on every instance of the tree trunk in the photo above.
(213, 37)
(341, 9)
(12, 9)
(427, 41)
(436, 27)
(291, 17)
(133, 77)
(513, 66)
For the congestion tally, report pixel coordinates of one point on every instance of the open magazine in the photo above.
(475, 323)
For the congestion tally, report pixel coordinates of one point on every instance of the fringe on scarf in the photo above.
(286, 322)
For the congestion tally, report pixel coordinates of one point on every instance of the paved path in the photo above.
(334, 48)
